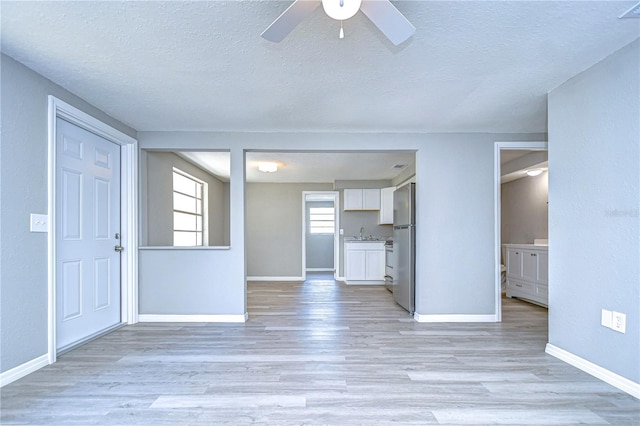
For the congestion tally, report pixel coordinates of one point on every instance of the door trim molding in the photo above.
(129, 208)
(498, 146)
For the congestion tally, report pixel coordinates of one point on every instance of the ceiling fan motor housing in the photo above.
(341, 9)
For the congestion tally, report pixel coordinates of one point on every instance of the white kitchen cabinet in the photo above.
(364, 262)
(374, 264)
(355, 264)
(386, 206)
(371, 199)
(527, 272)
(362, 199)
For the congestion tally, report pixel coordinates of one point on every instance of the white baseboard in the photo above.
(300, 279)
(454, 318)
(22, 370)
(192, 318)
(320, 269)
(616, 380)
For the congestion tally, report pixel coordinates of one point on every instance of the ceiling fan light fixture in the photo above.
(268, 167)
(341, 9)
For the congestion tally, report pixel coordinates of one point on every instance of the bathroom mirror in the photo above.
(184, 198)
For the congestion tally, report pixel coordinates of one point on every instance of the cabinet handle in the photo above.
(533, 254)
(517, 253)
(518, 285)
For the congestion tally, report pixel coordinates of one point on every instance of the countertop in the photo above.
(528, 246)
(357, 240)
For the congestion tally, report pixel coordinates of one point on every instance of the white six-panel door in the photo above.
(87, 230)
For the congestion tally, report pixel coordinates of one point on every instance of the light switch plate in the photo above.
(606, 318)
(39, 223)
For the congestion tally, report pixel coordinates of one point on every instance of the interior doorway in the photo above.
(320, 242)
(512, 160)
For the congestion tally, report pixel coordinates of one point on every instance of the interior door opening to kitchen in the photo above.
(277, 217)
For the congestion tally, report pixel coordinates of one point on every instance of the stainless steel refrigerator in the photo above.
(404, 246)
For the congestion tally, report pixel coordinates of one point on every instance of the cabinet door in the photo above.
(514, 262)
(386, 206)
(353, 199)
(371, 199)
(355, 265)
(543, 267)
(375, 264)
(530, 265)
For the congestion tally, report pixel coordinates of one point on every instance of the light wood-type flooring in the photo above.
(317, 353)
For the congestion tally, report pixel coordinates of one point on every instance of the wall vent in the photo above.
(634, 12)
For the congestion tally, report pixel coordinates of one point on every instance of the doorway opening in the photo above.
(320, 248)
(512, 161)
(275, 225)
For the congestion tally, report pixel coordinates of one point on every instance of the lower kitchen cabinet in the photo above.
(527, 272)
(364, 262)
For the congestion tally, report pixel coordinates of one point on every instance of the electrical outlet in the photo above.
(619, 322)
(606, 318)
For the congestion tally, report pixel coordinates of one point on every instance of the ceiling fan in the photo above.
(382, 13)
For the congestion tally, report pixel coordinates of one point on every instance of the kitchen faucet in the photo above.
(361, 232)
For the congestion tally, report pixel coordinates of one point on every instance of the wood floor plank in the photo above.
(319, 353)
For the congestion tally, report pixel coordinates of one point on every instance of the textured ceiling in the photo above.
(476, 66)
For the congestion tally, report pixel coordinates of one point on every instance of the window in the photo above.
(189, 213)
(321, 220)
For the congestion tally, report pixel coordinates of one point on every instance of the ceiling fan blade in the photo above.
(290, 18)
(388, 19)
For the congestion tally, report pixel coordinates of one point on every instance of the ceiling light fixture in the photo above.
(341, 10)
(534, 172)
(268, 167)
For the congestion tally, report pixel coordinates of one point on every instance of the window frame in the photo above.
(324, 212)
(201, 203)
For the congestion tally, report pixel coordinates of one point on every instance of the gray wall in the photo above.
(594, 224)
(189, 282)
(23, 171)
(274, 228)
(524, 208)
(157, 216)
(454, 205)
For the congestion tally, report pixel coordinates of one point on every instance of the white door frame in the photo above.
(528, 146)
(129, 208)
(336, 235)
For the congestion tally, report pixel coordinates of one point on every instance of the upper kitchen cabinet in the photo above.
(362, 199)
(386, 206)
